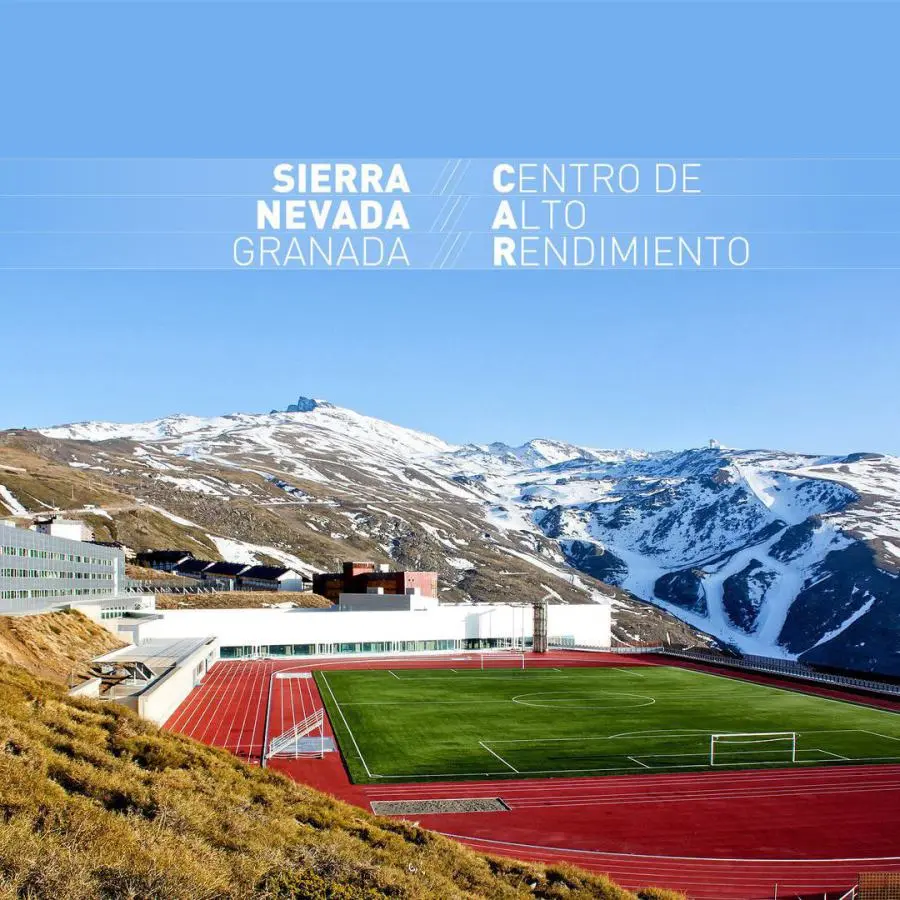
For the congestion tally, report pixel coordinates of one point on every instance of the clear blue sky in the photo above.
(800, 360)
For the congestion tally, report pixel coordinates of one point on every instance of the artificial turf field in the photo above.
(414, 724)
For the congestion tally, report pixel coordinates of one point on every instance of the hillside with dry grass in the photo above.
(53, 645)
(142, 573)
(242, 600)
(96, 803)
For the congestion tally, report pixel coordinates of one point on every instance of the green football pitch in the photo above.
(413, 724)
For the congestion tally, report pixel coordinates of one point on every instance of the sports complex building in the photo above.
(41, 570)
(423, 626)
(648, 767)
(516, 729)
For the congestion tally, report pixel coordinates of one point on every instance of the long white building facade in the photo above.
(243, 633)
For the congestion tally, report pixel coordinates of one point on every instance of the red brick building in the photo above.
(360, 577)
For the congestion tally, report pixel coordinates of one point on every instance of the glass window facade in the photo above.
(367, 647)
(38, 570)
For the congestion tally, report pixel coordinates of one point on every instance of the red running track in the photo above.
(713, 835)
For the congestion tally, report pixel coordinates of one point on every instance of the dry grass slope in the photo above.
(53, 644)
(241, 600)
(95, 803)
(141, 573)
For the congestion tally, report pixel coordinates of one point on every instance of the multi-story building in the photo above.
(39, 571)
(364, 577)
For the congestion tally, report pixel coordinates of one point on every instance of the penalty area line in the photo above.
(498, 756)
(835, 755)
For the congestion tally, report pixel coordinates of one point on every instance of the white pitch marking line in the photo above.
(639, 762)
(395, 675)
(505, 763)
(347, 726)
(784, 690)
(835, 755)
(629, 672)
(875, 733)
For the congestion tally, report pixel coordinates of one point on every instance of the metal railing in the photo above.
(163, 586)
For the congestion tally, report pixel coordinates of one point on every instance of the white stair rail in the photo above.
(289, 738)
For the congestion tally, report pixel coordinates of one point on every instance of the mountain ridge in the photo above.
(782, 553)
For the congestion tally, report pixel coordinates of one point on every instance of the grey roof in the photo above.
(157, 653)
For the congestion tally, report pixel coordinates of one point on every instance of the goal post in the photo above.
(763, 741)
(514, 659)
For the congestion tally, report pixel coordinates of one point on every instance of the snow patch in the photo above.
(11, 503)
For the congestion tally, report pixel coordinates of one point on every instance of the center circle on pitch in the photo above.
(583, 700)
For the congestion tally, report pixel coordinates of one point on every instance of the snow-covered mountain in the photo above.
(777, 553)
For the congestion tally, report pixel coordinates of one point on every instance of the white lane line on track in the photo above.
(239, 737)
(237, 699)
(687, 792)
(630, 801)
(198, 700)
(683, 796)
(812, 779)
(206, 712)
(657, 856)
(261, 694)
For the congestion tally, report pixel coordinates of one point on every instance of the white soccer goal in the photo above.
(504, 659)
(750, 742)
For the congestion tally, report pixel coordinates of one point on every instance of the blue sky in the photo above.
(801, 360)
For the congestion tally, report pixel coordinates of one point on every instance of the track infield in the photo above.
(395, 726)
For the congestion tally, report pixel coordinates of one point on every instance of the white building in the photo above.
(417, 628)
(153, 678)
(70, 529)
